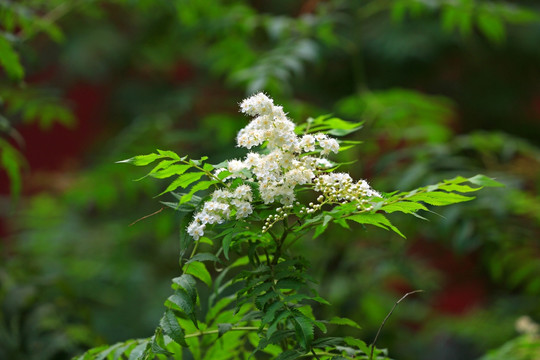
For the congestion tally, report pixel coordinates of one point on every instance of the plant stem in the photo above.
(386, 318)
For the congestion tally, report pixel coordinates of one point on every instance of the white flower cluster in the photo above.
(286, 164)
(221, 207)
(340, 187)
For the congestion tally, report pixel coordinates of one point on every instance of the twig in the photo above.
(147, 216)
(386, 318)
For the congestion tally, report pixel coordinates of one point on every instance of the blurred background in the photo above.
(443, 87)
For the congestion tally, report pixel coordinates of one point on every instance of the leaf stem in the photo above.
(208, 173)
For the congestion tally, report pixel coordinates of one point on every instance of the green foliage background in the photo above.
(444, 88)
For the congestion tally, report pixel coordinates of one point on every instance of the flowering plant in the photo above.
(246, 214)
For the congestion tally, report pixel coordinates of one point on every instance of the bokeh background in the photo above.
(443, 87)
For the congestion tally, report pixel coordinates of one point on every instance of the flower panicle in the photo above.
(290, 161)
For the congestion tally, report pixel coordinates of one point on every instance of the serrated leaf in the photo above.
(171, 154)
(158, 343)
(271, 312)
(376, 220)
(458, 188)
(203, 257)
(483, 180)
(188, 283)
(198, 269)
(118, 353)
(289, 355)
(203, 185)
(141, 160)
(103, 354)
(138, 352)
(406, 207)
(289, 283)
(176, 169)
(439, 198)
(304, 330)
(183, 181)
(344, 321)
(327, 341)
(172, 328)
(223, 328)
(182, 300)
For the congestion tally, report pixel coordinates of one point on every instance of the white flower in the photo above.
(195, 230)
(259, 104)
(235, 166)
(307, 143)
(243, 192)
(329, 145)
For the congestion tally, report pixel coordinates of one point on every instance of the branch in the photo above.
(386, 318)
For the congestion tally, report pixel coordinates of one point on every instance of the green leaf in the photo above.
(439, 198)
(185, 239)
(103, 354)
(226, 243)
(406, 207)
(203, 257)
(169, 171)
(183, 181)
(458, 188)
(327, 341)
(289, 283)
(9, 59)
(223, 174)
(289, 355)
(172, 328)
(198, 269)
(11, 160)
(344, 321)
(223, 328)
(304, 330)
(141, 160)
(182, 300)
(188, 283)
(203, 185)
(138, 352)
(171, 154)
(270, 313)
(483, 180)
(376, 220)
(357, 343)
(158, 343)
(491, 26)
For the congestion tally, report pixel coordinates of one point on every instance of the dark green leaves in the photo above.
(303, 327)
(172, 328)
